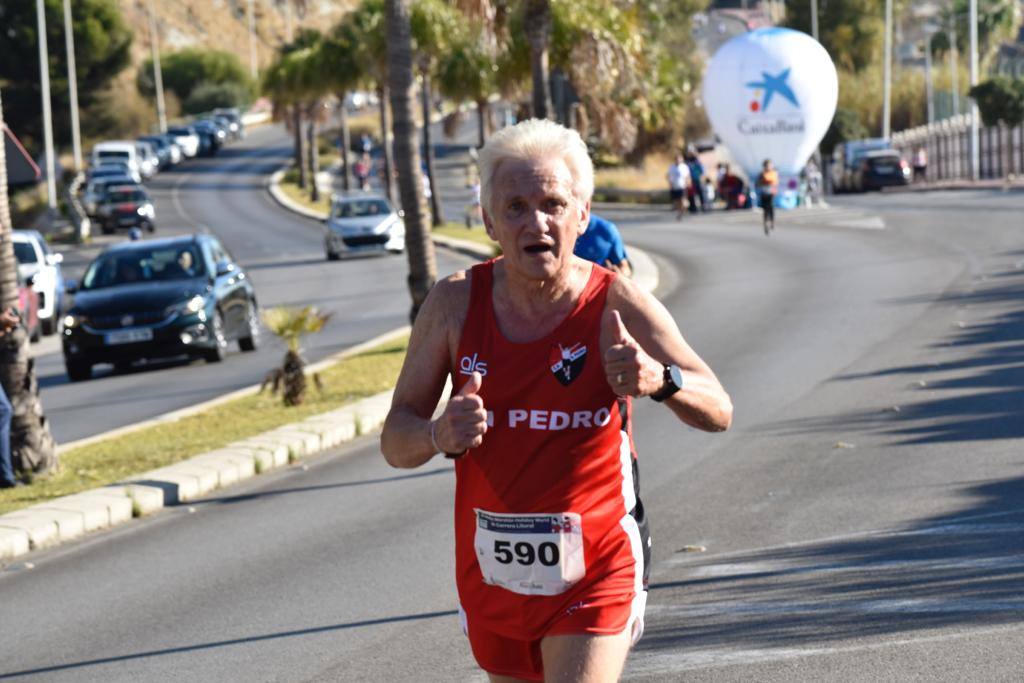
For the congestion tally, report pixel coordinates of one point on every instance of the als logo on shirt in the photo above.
(566, 362)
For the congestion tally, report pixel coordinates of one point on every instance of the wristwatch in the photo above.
(673, 382)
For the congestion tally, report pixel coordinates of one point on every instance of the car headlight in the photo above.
(190, 307)
(71, 320)
(146, 210)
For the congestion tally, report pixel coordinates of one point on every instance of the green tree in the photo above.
(846, 125)
(341, 73)
(32, 447)
(851, 30)
(193, 68)
(102, 51)
(469, 72)
(995, 23)
(1000, 100)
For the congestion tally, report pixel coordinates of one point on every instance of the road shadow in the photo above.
(213, 645)
(973, 389)
(950, 571)
(246, 497)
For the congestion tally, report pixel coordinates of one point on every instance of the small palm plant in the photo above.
(291, 324)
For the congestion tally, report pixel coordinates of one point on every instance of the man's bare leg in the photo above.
(585, 658)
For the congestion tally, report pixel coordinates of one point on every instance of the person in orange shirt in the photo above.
(767, 188)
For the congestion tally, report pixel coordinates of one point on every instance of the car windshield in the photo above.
(156, 264)
(112, 155)
(118, 196)
(24, 252)
(361, 207)
(179, 131)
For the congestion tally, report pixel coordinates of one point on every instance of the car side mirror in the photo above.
(54, 259)
(71, 286)
(225, 268)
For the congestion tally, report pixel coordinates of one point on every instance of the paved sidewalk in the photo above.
(67, 518)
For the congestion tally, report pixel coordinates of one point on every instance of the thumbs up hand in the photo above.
(464, 422)
(628, 368)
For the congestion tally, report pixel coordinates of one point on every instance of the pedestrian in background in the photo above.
(767, 188)
(678, 181)
(602, 244)
(920, 164)
(696, 190)
(9, 320)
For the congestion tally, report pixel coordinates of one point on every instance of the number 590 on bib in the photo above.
(530, 554)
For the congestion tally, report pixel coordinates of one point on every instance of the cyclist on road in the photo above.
(546, 354)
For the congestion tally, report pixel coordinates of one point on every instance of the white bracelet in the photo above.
(433, 437)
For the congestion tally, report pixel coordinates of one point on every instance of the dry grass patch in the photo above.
(290, 187)
(461, 232)
(649, 176)
(108, 462)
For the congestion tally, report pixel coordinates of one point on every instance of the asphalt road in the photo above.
(283, 254)
(861, 521)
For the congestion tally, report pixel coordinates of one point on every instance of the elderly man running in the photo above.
(546, 352)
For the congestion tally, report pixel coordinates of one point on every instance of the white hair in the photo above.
(537, 139)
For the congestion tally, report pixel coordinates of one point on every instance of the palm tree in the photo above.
(537, 22)
(291, 324)
(340, 72)
(432, 23)
(32, 446)
(468, 72)
(280, 84)
(420, 248)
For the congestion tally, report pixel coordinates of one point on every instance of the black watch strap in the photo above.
(672, 382)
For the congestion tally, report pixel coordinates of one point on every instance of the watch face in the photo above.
(677, 375)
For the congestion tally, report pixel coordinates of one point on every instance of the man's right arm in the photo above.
(407, 440)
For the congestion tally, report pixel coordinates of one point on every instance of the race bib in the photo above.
(530, 554)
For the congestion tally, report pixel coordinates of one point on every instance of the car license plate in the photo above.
(127, 220)
(129, 336)
(885, 168)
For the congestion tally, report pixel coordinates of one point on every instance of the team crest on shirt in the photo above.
(566, 362)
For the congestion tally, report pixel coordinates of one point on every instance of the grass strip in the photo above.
(290, 186)
(461, 232)
(119, 458)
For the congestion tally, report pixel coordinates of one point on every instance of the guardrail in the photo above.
(947, 144)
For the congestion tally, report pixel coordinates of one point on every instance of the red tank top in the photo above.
(546, 508)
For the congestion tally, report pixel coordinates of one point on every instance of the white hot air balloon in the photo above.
(771, 94)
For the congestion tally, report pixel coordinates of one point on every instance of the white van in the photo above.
(118, 150)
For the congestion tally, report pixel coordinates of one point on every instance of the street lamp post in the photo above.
(887, 73)
(975, 152)
(954, 66)
(158, 79)
(44, 79)
(69, 40)
(814, 19)
(928, 79)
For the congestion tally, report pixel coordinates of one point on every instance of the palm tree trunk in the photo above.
(346, 145)
(300, 144)
(428, 149)
(385, 134)
(314, 154)
(483, 115)
(32, 446)
(419, 247)
(538, 29)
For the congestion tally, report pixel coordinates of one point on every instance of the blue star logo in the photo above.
(774, 84)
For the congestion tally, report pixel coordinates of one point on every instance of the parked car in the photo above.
(210, 137)
(234, 118)
(126, 206)
(363, 223)
(126, 151)
(881, 168)
(28, 308)
(187, 138)
(846, 158)
(38, 264)
(96, 190)
(165, 149)
(114, 168)
(180, 296)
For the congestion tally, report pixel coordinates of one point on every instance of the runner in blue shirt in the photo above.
(602, 244)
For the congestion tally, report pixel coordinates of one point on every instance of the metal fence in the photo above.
(948, 146)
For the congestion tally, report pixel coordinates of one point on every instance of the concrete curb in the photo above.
(64, 519)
